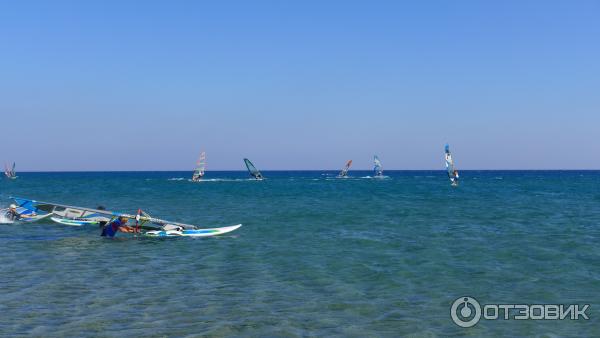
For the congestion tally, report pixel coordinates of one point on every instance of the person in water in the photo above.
(119, 224)
(12, 213)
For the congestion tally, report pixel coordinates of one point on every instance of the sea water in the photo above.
(316, 255)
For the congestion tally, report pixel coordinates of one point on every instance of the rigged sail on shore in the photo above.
(377, 168)
(252, 170)
(200, 167)
(344, 172)
(10, 172)
(452, 172)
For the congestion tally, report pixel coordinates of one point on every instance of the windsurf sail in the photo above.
(10, 172)
(452, 172)
(22, 214)
(377, 168)
(252, 170)
(64, 211)
(344, 172)
(72, 212)
(200, 166)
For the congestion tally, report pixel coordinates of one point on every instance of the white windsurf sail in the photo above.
(344, 172)
(200, 167)
(452, 172)
(252, 170)
(377, 168)
(10, 173)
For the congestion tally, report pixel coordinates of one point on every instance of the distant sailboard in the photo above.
(252, 170)
(377, 168)
(10, 172)
(344, 172)
(452, 172)
(200, 167)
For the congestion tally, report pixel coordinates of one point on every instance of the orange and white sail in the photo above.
(200, 167)
(344, 172)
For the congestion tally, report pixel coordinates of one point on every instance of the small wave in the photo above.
(5, 220)
(376, 177)
(212, 180)
(222, 180)
(176, 179)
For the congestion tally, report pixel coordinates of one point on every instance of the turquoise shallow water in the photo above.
(316, 255)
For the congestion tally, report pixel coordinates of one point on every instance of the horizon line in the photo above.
(284, 170)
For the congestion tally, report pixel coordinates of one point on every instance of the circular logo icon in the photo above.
(465, 311)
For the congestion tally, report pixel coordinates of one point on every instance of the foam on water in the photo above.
(5, 220)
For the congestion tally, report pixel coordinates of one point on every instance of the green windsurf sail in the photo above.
(252, 170)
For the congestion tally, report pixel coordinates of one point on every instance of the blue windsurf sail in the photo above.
(73, 212)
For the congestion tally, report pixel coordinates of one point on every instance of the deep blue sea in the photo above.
(316, 255)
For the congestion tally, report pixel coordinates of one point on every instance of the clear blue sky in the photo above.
(137, 85)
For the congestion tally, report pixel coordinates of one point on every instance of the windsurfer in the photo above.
(119, 224)
(12, 213)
